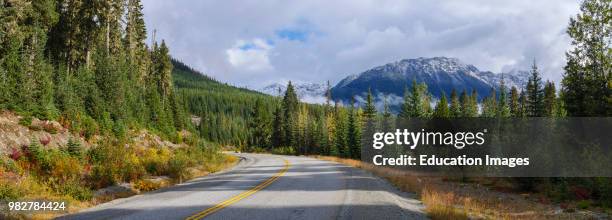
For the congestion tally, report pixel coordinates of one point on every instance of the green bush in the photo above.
(26, 121)
(74, 148)
(9, 191)
(89, 127)
(75, 189)
(177, 166)
(284, 150)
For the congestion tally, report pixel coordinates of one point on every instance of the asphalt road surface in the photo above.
(269, 187)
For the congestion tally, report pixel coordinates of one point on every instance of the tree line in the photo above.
(86, 64)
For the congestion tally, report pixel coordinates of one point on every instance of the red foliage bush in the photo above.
(15, 154)
(581, 193)
(45, 140)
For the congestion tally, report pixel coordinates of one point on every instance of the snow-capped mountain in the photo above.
(441, 74)
(307, 92)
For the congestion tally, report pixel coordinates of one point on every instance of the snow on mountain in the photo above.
(307, 92)
(441, 74)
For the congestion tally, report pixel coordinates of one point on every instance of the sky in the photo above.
(254, 43)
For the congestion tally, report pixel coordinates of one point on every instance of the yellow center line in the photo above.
(240, 196)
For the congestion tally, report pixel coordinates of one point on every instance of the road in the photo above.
(269, 187)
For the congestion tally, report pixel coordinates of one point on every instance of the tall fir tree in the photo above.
(503, 110)
(455, 105)
(290, 110)
(353, 133)
(515, 108)
(370, 108)
(550, 99)
(535, 93)
(587, 83)
(441, 110)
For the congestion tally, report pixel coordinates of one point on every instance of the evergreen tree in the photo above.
(514, 102)
(441, 110)
(587, 83)
(523, 105)
(341, 140)
(535, 93)
(259, 126)
(278, 134)
(503, 110)
(353, 133)
(455, 105)
(370, 109)
(489, 105)
(290, 109)
(416, 102)
(550, 99)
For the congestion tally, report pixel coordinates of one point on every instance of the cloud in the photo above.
(318, 40)
(251, 56)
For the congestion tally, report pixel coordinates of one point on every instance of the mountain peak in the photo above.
(441, 74)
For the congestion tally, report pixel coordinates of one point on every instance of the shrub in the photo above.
(89, 127)
(9, 191)
(74, 148)
(74, 189)
(284, 151)
(26, 121)
(155, 161)
(64, 168)
(147, 185)
(15, 154)
(48, 127)
(45, 140)
(177, 166)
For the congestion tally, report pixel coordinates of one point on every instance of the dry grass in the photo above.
(455, 200)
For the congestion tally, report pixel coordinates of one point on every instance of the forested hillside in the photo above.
(86, 64)
(80, 71)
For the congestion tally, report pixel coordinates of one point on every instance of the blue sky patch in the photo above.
(293, 35)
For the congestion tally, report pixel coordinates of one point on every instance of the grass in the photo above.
(447, 199)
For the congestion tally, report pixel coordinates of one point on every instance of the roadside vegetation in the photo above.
(75, 174)
(493, 198)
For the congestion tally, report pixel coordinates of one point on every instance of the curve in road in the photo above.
(266, 187)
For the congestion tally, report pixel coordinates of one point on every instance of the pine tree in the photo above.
(535, 93)
(278, 134)
(455, 105)
(489, 105)
(515, 109)
(503, 110)
(550, 99)
(353, 133)
(370, 109)
(290, 109)
(406, 109)
(416, 102)
(341, 132)
(524, 105)
(259, 126)
(587, 83)
(464, 100)
(441, 110)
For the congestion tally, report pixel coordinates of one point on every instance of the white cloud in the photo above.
(356, 35)
(251, 56)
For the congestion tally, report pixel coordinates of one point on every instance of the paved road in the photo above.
(257, 188)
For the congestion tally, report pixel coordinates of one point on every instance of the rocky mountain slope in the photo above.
(441, 74)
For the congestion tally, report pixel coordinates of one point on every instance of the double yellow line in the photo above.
(240, 196)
